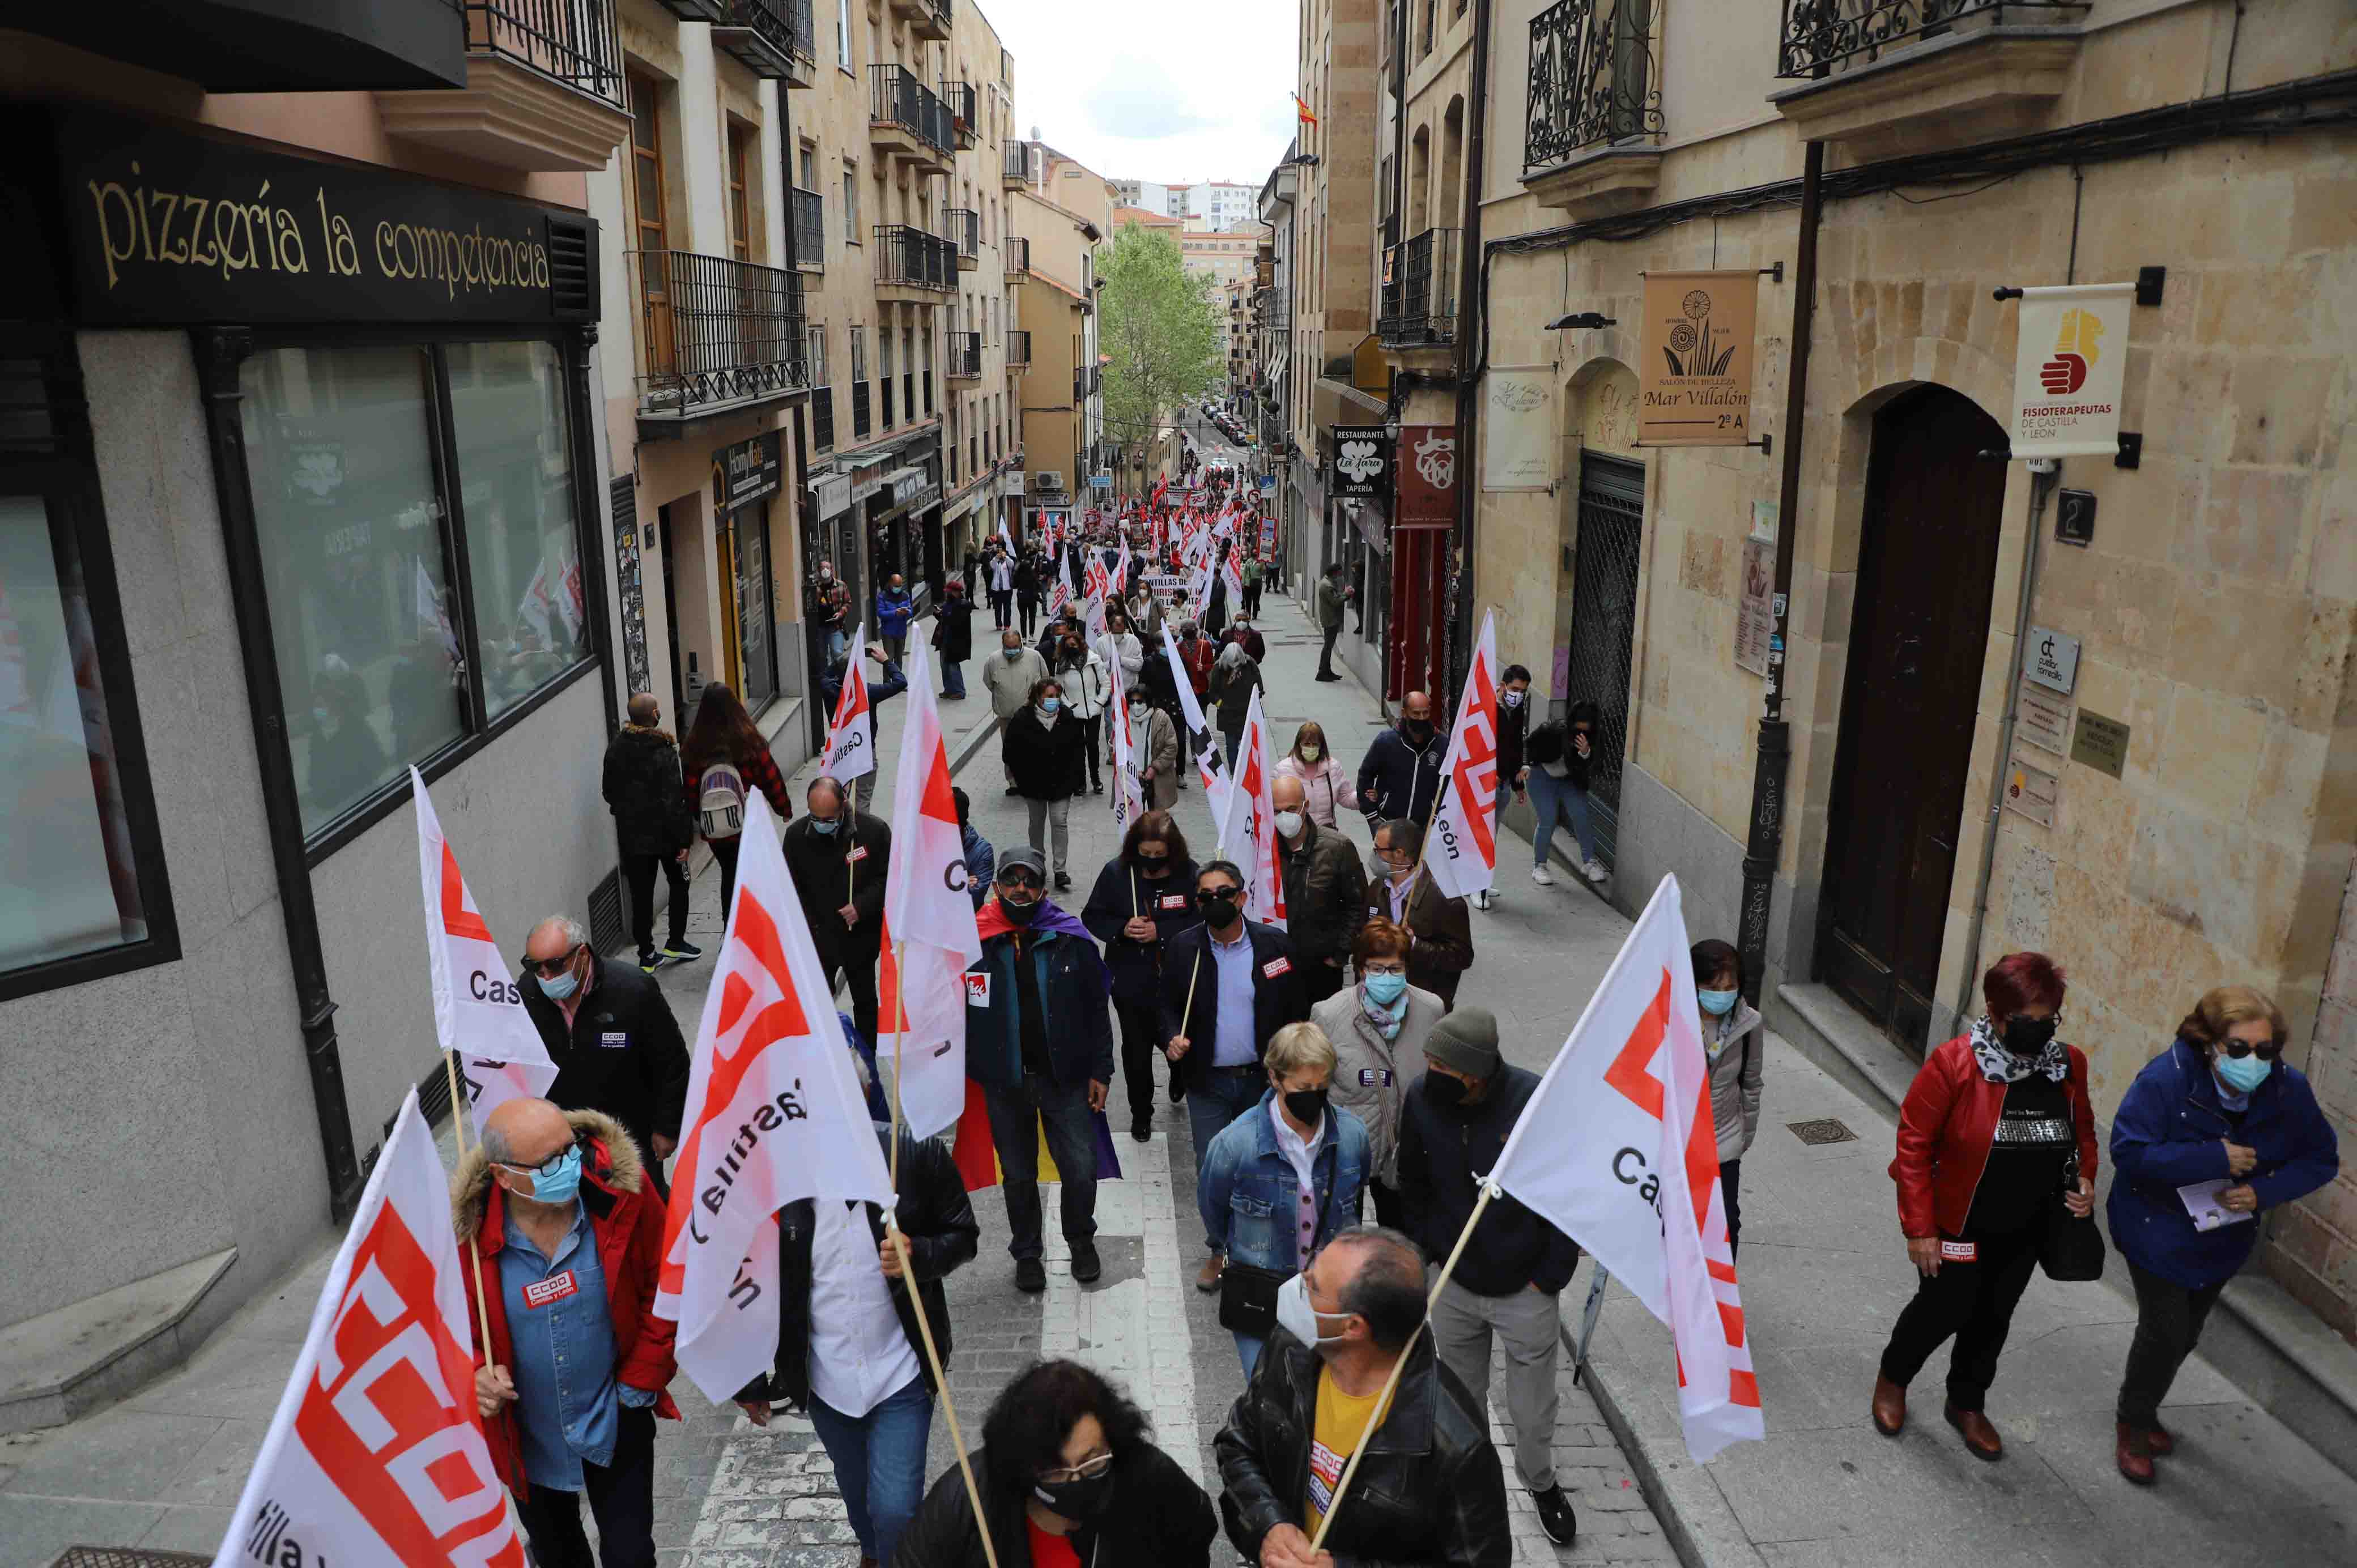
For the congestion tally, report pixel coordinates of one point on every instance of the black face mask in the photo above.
(1155, 866)
(1306, 1106)
(1219, 908)
(1418, 730)
(2027, 1037)
(1444, 1090)
(1079, 1500)
(1021, 914)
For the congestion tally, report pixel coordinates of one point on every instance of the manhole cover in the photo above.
(1829, 1129)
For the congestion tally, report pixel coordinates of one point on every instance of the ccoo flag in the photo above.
(1618, 1148)
(774, 1114)
(929, 931)
(477, 1011)
(376, 1455)
(1248, 824)
(1463, 851)
(851, 739)
(1128, 794)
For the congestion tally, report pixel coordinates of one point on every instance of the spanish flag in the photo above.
(1306, 117)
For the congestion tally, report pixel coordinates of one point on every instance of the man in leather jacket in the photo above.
(1430, 1490)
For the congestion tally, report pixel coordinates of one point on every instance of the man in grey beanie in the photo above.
(1454, 1121)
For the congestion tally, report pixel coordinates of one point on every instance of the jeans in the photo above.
(725, 852)
(622, 1494)
(1053, 818)
(1248, 1350)
(1141, 1040)
(836, 640)
(1975, 1302)
(1230, 743)
(638, 870)
(1529, 1324)
(2168, 1325)
(1554, 799)
(880, 1463)
(1019, 1114)
(1217, 1097)
(953, 678)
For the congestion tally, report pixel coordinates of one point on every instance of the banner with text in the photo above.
(2069, 361)
(1694, 362)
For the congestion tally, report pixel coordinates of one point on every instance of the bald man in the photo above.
(1325, 890)
(1400, 777)
(609, 1031)
(652, 826)
(569, 1233)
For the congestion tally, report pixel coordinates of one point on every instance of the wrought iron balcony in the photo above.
(821, 405)
(963, 359)
(716, 333)
(810, 230)
(916, 122)
(775, 37)
(926, 18)
(908, 257)
(1014, 162)
(962, 101)
(1593, 77)
(1019, 351)
(1822, 37)
(1419, 305)
(571, 41)
(965, 228)
(1018, 258)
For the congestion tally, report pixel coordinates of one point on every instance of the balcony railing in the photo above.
(1018, 258)
(964, 356)
(1822, 37)
(822, 403)
(775, 37)
(1015, 159)
(965, 228)
(961, 99)
(861, 423)
(908, 257)
(1420, 291)
(809, 229)
(1593, 80)
(571, 41)
(1018, 349)
(895, 97)
(716, 331)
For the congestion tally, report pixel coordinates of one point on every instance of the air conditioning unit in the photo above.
(1048, 479)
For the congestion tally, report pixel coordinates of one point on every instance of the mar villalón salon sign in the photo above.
(168, 227)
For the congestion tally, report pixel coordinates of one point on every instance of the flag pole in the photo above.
(933, 1358)
(900, 1036)
(458, 1113)
(1390, 1384)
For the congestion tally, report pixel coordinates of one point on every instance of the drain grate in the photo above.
(125, 1557)
(1828, 1130)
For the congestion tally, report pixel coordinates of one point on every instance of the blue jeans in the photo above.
(880, 1463)
(1558, 800)
(1248, 1350)
(1211, 1105)
(835, 640)
(953, 678)
(1019, 1114)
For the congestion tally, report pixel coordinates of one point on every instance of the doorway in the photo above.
(1927, 560)
(1610, 534)
(681, 714)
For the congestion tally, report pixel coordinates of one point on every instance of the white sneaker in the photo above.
(1594, 871)
(1542, 876)
(1481, 898)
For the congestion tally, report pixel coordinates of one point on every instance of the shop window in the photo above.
(758, 664)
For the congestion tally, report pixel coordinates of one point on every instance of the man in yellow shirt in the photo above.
(1429, 1489)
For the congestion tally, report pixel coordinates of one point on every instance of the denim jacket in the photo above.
(1250, 1198)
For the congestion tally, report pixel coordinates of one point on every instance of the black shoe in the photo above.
(1014, 789)
(1555, 1517)
(1063, 882)
(1141, 1128)
(1178, 1088)
(1030, 1274)
(681, 950)
(1329, 676)
(648, 963)
(1086, 1264)
(1096, 787)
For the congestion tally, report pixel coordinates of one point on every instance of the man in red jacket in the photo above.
(569, 1236)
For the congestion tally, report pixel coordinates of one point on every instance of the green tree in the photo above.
(1158, 322)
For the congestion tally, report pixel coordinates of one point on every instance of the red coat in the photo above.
(1944, 1128)
(628, 1222)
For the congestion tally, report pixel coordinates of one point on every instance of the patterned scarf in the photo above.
(1384, 1021)
(2001, 1066)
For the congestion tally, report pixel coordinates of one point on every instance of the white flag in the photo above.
(1208, 763)
(1248, 822)
(1128, 795)
(1060, 592)
(478, 1011)
(1618, 1148)
(1463, 855)
(774, 1114)
(851, 739)
(929, 915)
(376, 1455)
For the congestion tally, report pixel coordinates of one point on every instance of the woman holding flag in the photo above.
(1141, 898)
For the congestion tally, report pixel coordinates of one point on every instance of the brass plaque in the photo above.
(2101, 743)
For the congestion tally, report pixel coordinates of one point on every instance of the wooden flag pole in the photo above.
(1390, 1384)
(459, 1112)
(933, 1358)
(899, 1037)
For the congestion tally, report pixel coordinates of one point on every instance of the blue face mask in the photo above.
(825, 824)
(1717, 1003)
(1383, 990)
(2241, 1074)
(558, 1184)
(557, 987)
(1050, 705)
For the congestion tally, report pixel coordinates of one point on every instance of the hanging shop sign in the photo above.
(1363, 462)
(1694, 363)
(167, 227)
(1427, 476)
(2071, 357)
(746, 472)
(832, 494)
(1517, 431)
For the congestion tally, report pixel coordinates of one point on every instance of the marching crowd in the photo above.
(1343, 1104)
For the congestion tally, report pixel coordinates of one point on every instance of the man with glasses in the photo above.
(610, 1032)
(1039, 1042)
(1441, 933)
(569, 1234)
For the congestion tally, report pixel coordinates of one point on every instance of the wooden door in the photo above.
(1917, 641)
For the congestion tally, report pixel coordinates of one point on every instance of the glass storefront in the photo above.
(756, 612)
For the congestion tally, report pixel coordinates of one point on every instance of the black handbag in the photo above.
(1248, 1299)
(2071, 1250)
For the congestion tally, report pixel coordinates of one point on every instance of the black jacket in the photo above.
(1158, 1518)
(826, 868)
(624, 1054)
(953, 630)
(1512, 724)
(1443, 1154)
(1429, 1491)
(1325, 893)
(1047, 762)
(1397, 779)
(943, 1235)
(643, 791)
(1551, 742)
(1170, 902)
(1278, 998)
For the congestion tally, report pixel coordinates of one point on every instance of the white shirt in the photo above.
(1397, 891)
(1301, 1154)
(858, 1356)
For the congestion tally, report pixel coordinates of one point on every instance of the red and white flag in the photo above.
(1121, 571)
(478, 1011)
(851, 739)
(1208, 764)
(774, 1114)
(1128, 795)
(1619, 1149)
(929, 918)
(376, 1455)
(1463, 853)
(1097, 586)
(1248, 822)
(1232, 573)
(1060, 592)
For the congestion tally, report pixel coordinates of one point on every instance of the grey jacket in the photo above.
(1371, 1073)
(1157, 748)
(1010, 681)
(1734, 1079)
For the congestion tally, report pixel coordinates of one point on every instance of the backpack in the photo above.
(720, 803)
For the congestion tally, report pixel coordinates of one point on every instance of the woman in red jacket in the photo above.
(1995, 1126)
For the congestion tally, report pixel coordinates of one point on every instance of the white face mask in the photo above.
(1288, 824)
(1298, 1318)
(1312, 753)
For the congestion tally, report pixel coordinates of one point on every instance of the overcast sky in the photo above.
(1172, 91)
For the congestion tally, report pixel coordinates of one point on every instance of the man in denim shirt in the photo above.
(570, 1239)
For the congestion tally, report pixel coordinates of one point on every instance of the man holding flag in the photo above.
(1461, 849)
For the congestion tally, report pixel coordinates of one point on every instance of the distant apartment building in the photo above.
(1210, 204)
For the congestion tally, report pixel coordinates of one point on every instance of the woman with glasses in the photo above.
(1379, 1028)
(1069, 1479)
(2214, 1130)
(1995, 1128)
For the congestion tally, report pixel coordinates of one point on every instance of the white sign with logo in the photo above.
(2069, 361)
(1517, 432)
(2053, 660)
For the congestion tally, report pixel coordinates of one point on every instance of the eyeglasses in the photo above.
(1086, 1470)
(1381, 968)
(546, 1167)
(2265, 1050)
(549, 967)
(1022, 879)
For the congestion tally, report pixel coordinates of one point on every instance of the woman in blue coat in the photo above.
(2220, 1121)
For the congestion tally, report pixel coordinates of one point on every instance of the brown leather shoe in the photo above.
(1207, 1278)
(1890, 1407)
(2135, 1454)
(1980, 1438)
(2157, 1439)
